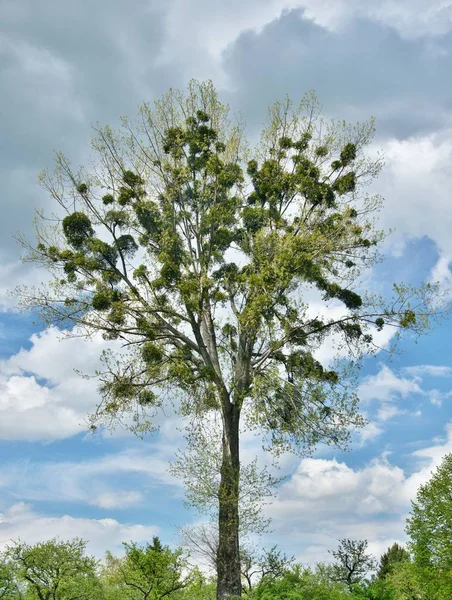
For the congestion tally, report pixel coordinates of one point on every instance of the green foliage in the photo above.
(300, 584)
(77, 228)
(199, 198)
(55, 570)
(409, 581)
(390, 559)
(352, 562)
(430, 523)
(267, 566)
(149, 572)
(10, 588)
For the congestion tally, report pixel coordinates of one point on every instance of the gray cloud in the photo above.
(64, 66)
(365, 68)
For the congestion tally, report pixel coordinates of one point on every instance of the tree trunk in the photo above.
(228, 558)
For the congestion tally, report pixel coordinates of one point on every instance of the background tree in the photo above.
(150, 572)
(394, 555)
(298, 583)
(430, 523)
(352, 562)
(203, 258)
(9, 586)
(202, 541)
(408, 581)
(267, 564)
(200, 588)
(55, 570)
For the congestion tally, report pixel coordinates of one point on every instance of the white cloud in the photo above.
(43, 72)
(220, 23)
(14, 273)
(41, 396)
(389, 389)
(388, 411)
(20, 521)
(328, 500)
(416, 182)
(97, 482)
(436, 397)
(369, 432)
(386, 386)
(442, 273)
(429, 370)
(117, 499)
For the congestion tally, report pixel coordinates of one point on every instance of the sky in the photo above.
(65, 66)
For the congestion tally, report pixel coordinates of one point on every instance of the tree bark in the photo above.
(229, 584)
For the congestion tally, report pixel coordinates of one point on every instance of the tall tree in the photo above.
(430, 523)
(215, 266)
(55, 570)
(352, 562)
(394, 555)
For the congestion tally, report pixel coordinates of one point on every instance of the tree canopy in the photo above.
(394, 555)
(54, 570)
(430, 527)
(353, 562)
(149, 572)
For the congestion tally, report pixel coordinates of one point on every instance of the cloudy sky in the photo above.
(67, 65)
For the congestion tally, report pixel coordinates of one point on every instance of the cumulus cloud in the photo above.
(369, 432)
(416, 183)
(382, 79)
(42, 397)
(386, 386)
(20, 521)
(327, 499)
(388, 394)
(117, 499)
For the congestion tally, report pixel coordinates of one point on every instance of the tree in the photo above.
(394, 555)
(199, 589)
(409, 581)
(202, 257)
(430, 528)
(150, 572)
(266, 565)
(202, 541)
(299, 583)
(9, 587)
(353, 562)
(55, 570)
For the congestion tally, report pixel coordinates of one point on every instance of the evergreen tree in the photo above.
(394, 555)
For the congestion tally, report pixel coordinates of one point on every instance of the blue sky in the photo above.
(65, 66)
